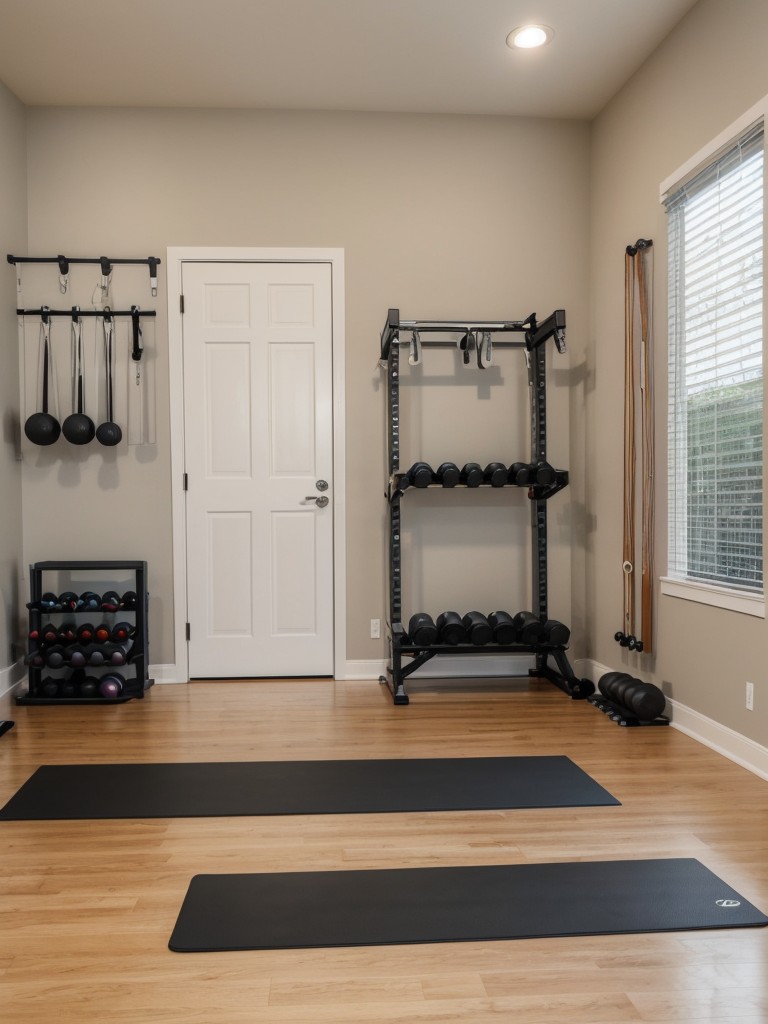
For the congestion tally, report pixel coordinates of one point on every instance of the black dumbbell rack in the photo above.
(57, 576)
(405, 656)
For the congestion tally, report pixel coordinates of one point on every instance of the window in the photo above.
(715, 269)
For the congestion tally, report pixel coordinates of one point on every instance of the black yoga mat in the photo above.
(223, 788)
(369, 908)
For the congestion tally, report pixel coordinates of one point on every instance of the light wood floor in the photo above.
(87, 907)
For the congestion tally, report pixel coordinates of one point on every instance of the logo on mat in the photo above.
(728, 903)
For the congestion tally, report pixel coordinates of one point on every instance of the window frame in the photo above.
(731, 598)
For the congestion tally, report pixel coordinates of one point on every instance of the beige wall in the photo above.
(439, 216)
(13, 231)
(706, 74)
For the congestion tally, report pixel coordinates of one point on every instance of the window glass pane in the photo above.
(716, 370)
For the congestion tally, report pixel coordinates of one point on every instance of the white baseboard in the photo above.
(720, 738)
(166, 674)
(364, 669)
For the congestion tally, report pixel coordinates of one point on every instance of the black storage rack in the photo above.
(406, 656)
(101, 574)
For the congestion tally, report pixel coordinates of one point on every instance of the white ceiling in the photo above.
(421, 56)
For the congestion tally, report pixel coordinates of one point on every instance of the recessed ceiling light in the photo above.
(527, 37)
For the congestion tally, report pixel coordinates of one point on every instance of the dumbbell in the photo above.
(450, 628)
(448, 474)
(89, 687)
(129, 600)
(472, 474)
(102, 633)
(89, 601)
(110, 601)
(69, 601)
(50, 687)
(49, 633)
(94, 654)
(644, 700)
(520, 474)
(420, 474)
(111, 685)
(77, 655)
(629, 641)
(495, 474)
(68, 688)
(529, 627)
(607, 683)
(503, 626)
(85, 632)
(543, 474)
(422, 629)
(478, 628)
(555, 633)
(122, 631)
(68, 632)
(55, 656)
(49, 602)
(116, 654)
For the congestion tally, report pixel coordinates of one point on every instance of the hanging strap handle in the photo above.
(63, 274)
(45, 326)
(138, 344)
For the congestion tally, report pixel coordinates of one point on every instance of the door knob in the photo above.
(316, 499)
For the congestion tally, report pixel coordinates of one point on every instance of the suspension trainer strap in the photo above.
(628, 550)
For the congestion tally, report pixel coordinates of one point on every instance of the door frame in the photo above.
(176, 257)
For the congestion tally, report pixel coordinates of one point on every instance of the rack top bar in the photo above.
(463, 325)
(535, 333)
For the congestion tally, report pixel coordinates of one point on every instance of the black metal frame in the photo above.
(138, 660)
(534, 337)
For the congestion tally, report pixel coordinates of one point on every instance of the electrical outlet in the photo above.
(750, 697)
(375, 629)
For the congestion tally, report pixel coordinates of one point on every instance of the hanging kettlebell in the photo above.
(77, 427)
(41, 427)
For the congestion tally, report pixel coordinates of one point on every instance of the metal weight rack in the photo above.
(475, 336)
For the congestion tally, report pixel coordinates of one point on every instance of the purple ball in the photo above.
(109, 687)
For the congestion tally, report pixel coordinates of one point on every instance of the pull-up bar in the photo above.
(535, 334)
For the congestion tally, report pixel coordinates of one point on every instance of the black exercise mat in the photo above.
(222, 788)
(370, 908)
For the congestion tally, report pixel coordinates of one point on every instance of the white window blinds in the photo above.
(716, 369)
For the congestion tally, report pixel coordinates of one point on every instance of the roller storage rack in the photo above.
(406, 656)
(100, 577)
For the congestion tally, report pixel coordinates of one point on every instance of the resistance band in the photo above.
(636, 290)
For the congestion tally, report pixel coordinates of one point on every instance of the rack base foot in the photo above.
(399, 696)
(620, 715)
(5, 726)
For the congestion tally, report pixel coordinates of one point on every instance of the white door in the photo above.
(257, 344)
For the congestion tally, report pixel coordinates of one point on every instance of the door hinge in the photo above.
(189, 631)
(186, 482)
(181, 303)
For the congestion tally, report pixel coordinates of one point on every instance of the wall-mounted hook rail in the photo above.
(105, 262)
(45, 312)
